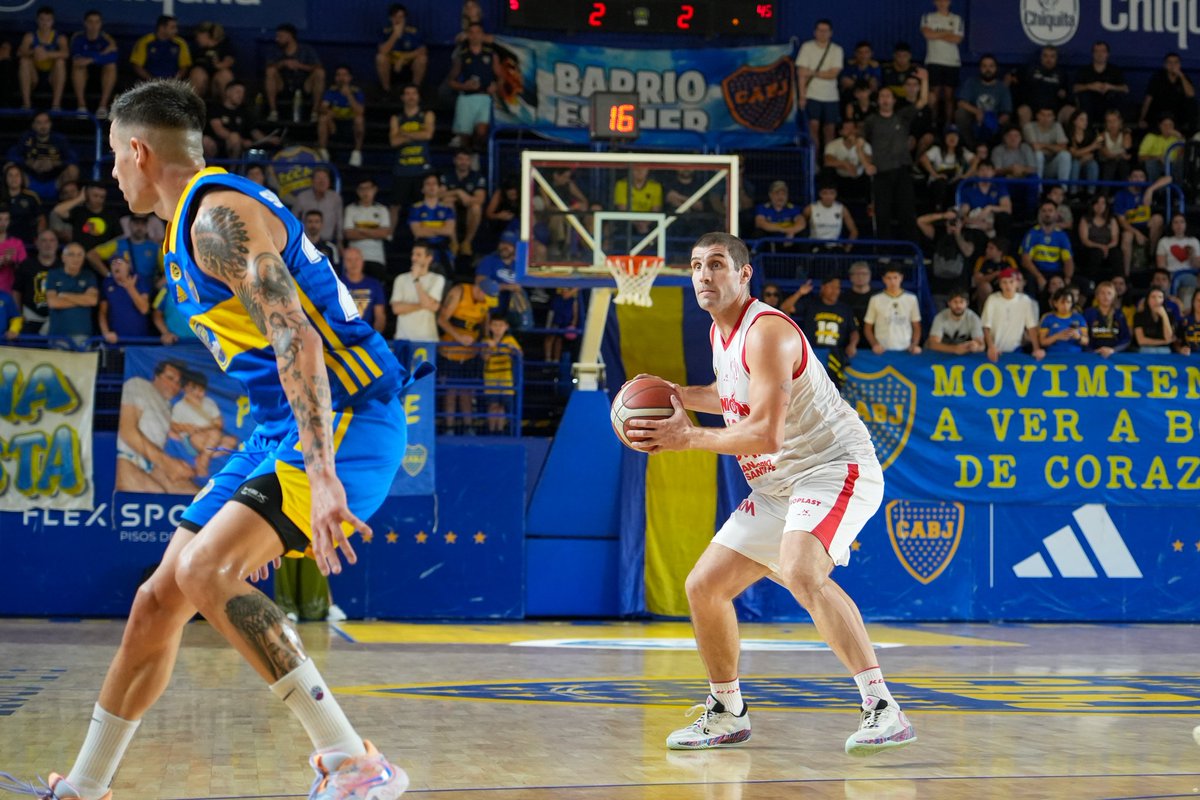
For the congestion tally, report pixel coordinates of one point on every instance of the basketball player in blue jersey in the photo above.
(325, 392)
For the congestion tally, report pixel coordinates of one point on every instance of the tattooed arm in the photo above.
(238, 243)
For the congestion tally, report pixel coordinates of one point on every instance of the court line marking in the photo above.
(769, 782)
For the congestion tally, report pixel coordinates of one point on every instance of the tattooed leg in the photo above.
(268, 632)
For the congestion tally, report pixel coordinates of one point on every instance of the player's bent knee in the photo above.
(803, 582)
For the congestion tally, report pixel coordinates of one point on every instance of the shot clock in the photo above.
(701, 17)
(615, 115)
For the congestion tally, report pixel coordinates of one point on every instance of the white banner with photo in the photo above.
(47, 402)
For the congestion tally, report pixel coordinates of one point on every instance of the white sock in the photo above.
(305, 693)
(728, 695)
(101, 754)
(870, 684)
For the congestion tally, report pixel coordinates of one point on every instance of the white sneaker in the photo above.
(323, 154)
(883, 727)
(292, 616)
(335, 614)
(715, 727)
(355, 158)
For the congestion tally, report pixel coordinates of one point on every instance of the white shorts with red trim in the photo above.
(832, 502)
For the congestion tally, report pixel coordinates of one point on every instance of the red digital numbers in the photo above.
(514, 5)
(596, 18)
(684, 20)
(765, 10)
(621, 119)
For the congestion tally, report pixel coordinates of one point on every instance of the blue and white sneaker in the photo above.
(715, 727)
(344, 777)
(883, 727)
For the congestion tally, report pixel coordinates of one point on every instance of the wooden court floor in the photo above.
(579, 712)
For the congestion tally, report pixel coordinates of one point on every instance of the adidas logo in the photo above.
(1069, 556)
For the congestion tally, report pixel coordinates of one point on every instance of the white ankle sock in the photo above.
(870, 684)
(101, 754)
(305, 693)
(729, 695)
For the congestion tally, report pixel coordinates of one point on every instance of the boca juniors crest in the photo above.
(760, 97)
(886, 401)
(925, 535)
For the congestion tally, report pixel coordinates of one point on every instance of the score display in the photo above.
(702, 17)
(615, 115)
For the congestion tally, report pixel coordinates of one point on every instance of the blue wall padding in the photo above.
(633, 532)
(578, 490)
(572, 577)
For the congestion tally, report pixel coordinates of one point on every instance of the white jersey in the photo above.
(826, 221)
(820, 429)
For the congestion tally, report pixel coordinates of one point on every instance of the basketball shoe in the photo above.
(56, 789)
(344, 777)
(715, 727)
(883, 727)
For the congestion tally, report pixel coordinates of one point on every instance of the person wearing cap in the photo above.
(778, 217)
(461, 320)
(1008, 317)
(995, 259)
(500, 267)
(142, 254)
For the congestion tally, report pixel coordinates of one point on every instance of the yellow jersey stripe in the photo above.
(339, 349)
(341, 424)
(336, 367)
(169, 239)
(366, 360)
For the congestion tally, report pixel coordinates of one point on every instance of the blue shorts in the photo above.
(823, 111)
(369, 440)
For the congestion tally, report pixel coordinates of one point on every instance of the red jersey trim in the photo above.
(827, 528)
(803, 342)
(725, 341)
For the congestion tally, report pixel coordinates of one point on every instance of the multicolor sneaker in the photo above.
(56, 789)
(715, 727)
(883, 727)
(345, 777)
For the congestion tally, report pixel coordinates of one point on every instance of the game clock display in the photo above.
(615, 115)
(703, 17)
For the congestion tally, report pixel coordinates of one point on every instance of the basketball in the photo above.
(645, 398)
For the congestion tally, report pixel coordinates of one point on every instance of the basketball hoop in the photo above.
(634, 276)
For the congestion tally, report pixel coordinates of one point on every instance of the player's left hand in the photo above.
(657, 435)
(329, 510)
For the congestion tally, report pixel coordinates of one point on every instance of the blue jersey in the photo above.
(83, 47)
(1048, 250)
(1052, 324)
(358, 362)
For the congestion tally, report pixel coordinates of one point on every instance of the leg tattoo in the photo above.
(268, 631)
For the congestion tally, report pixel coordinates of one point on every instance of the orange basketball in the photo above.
(644, 398)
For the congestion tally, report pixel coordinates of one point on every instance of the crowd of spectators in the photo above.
(1035, 191)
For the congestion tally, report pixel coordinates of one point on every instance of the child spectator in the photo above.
(124, 303)
(995, 260)
(498, 379)
(1108, 330)
(1063, 330)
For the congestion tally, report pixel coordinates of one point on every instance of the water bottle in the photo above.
(297, 99)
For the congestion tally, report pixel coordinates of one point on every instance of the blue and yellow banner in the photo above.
(729, 96)
(47, 401)
(1072, 429)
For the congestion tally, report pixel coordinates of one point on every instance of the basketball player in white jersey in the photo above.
(814, 480)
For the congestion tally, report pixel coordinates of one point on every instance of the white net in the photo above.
(634, 276)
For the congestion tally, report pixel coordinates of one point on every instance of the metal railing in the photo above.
(488, 407)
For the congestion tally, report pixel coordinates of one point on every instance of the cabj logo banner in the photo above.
(416, 475)
(732, 96)
(1077, 429)
(181, 418)
(1139, 31)
(46, 404)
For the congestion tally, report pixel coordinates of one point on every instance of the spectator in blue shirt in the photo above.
(984, 104)
(366, 291)
(402, 48)
(142, 254)
(1063, 330)
(342, 102)
(1045, 250)
(432, 222)
(71, 294)
(985, 206)
(93, 49)
(124, 303)
(500, 266)
(11, 320)
(1133, 208)
(862, 68)
(465, 190)
(1108, 330)
(162, 54)
(473, 76)
(778, 217)
(47, 157)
